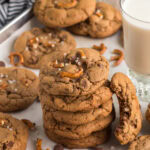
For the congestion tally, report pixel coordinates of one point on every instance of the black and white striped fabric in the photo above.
(9, 9)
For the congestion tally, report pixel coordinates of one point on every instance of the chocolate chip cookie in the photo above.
(92, 140)
(105, 21)
(80, 103)
(130, 113)
(34, 44)
(80, 72)
(76, 131)
(63, 13)
(13, 133)
(141, 143)
(18, 89)
(78, 118)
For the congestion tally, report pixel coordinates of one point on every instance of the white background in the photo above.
(34, 112)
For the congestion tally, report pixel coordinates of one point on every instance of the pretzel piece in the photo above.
(72, 75)
(68, 5)
(12, 58)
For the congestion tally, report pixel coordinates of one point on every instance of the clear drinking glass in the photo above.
(137, 51)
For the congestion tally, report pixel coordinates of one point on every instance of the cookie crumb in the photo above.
(29, 124)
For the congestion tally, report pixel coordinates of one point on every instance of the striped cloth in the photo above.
(9, 9)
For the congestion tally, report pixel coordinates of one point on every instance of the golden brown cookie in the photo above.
(141, 143)
(92, 140)
(80, 72)
(79, 118)
(105, 21)
(76, 131)
(18, 88)
(130, 113)
(80, 103)
(13, 133)
(63, 13)
(36, 43)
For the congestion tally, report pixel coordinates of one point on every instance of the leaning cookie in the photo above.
(63, 13)
(141, 143)
(80, 72)
(77, 131)
(92, 140)
(13, 133)
(18, 89)
(105, 21)
(130, 113)
(36, 43)
(79, 118)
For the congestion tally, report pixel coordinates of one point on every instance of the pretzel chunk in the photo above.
(72, 75)
(16, 55)
(67, 5)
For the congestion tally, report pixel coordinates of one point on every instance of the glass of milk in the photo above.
(136, 27)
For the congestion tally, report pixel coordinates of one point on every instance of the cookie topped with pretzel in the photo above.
(80, 72)
(105, 21)
(32, 45)
(17, 89)
(63, 13)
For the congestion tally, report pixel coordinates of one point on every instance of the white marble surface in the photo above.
(34, 112)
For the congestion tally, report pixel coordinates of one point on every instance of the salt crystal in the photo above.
(27, 49)
(15, 90)
(35, 46)
(1, 75)
(11, 81)
(37, 39)
(53, 45)
(66, 64)
(83, 57)
(79, 63)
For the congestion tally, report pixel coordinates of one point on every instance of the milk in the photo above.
(136, 25)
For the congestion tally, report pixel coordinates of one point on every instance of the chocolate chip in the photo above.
(2, 64)
(58, 147)
(10, 144)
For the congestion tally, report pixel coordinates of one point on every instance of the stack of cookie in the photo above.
(76, 99)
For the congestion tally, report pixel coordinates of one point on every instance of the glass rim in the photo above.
(121, 6)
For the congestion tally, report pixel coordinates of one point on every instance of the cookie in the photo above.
(92, 140)
(63, 13)
(80, 72)
(147, 114)
(17, 89)
(79, 118)
(130, 113)
(13, 133)
(105, 21)
(76, 131)
(141, 143)
(80, 103)
(36, 43)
